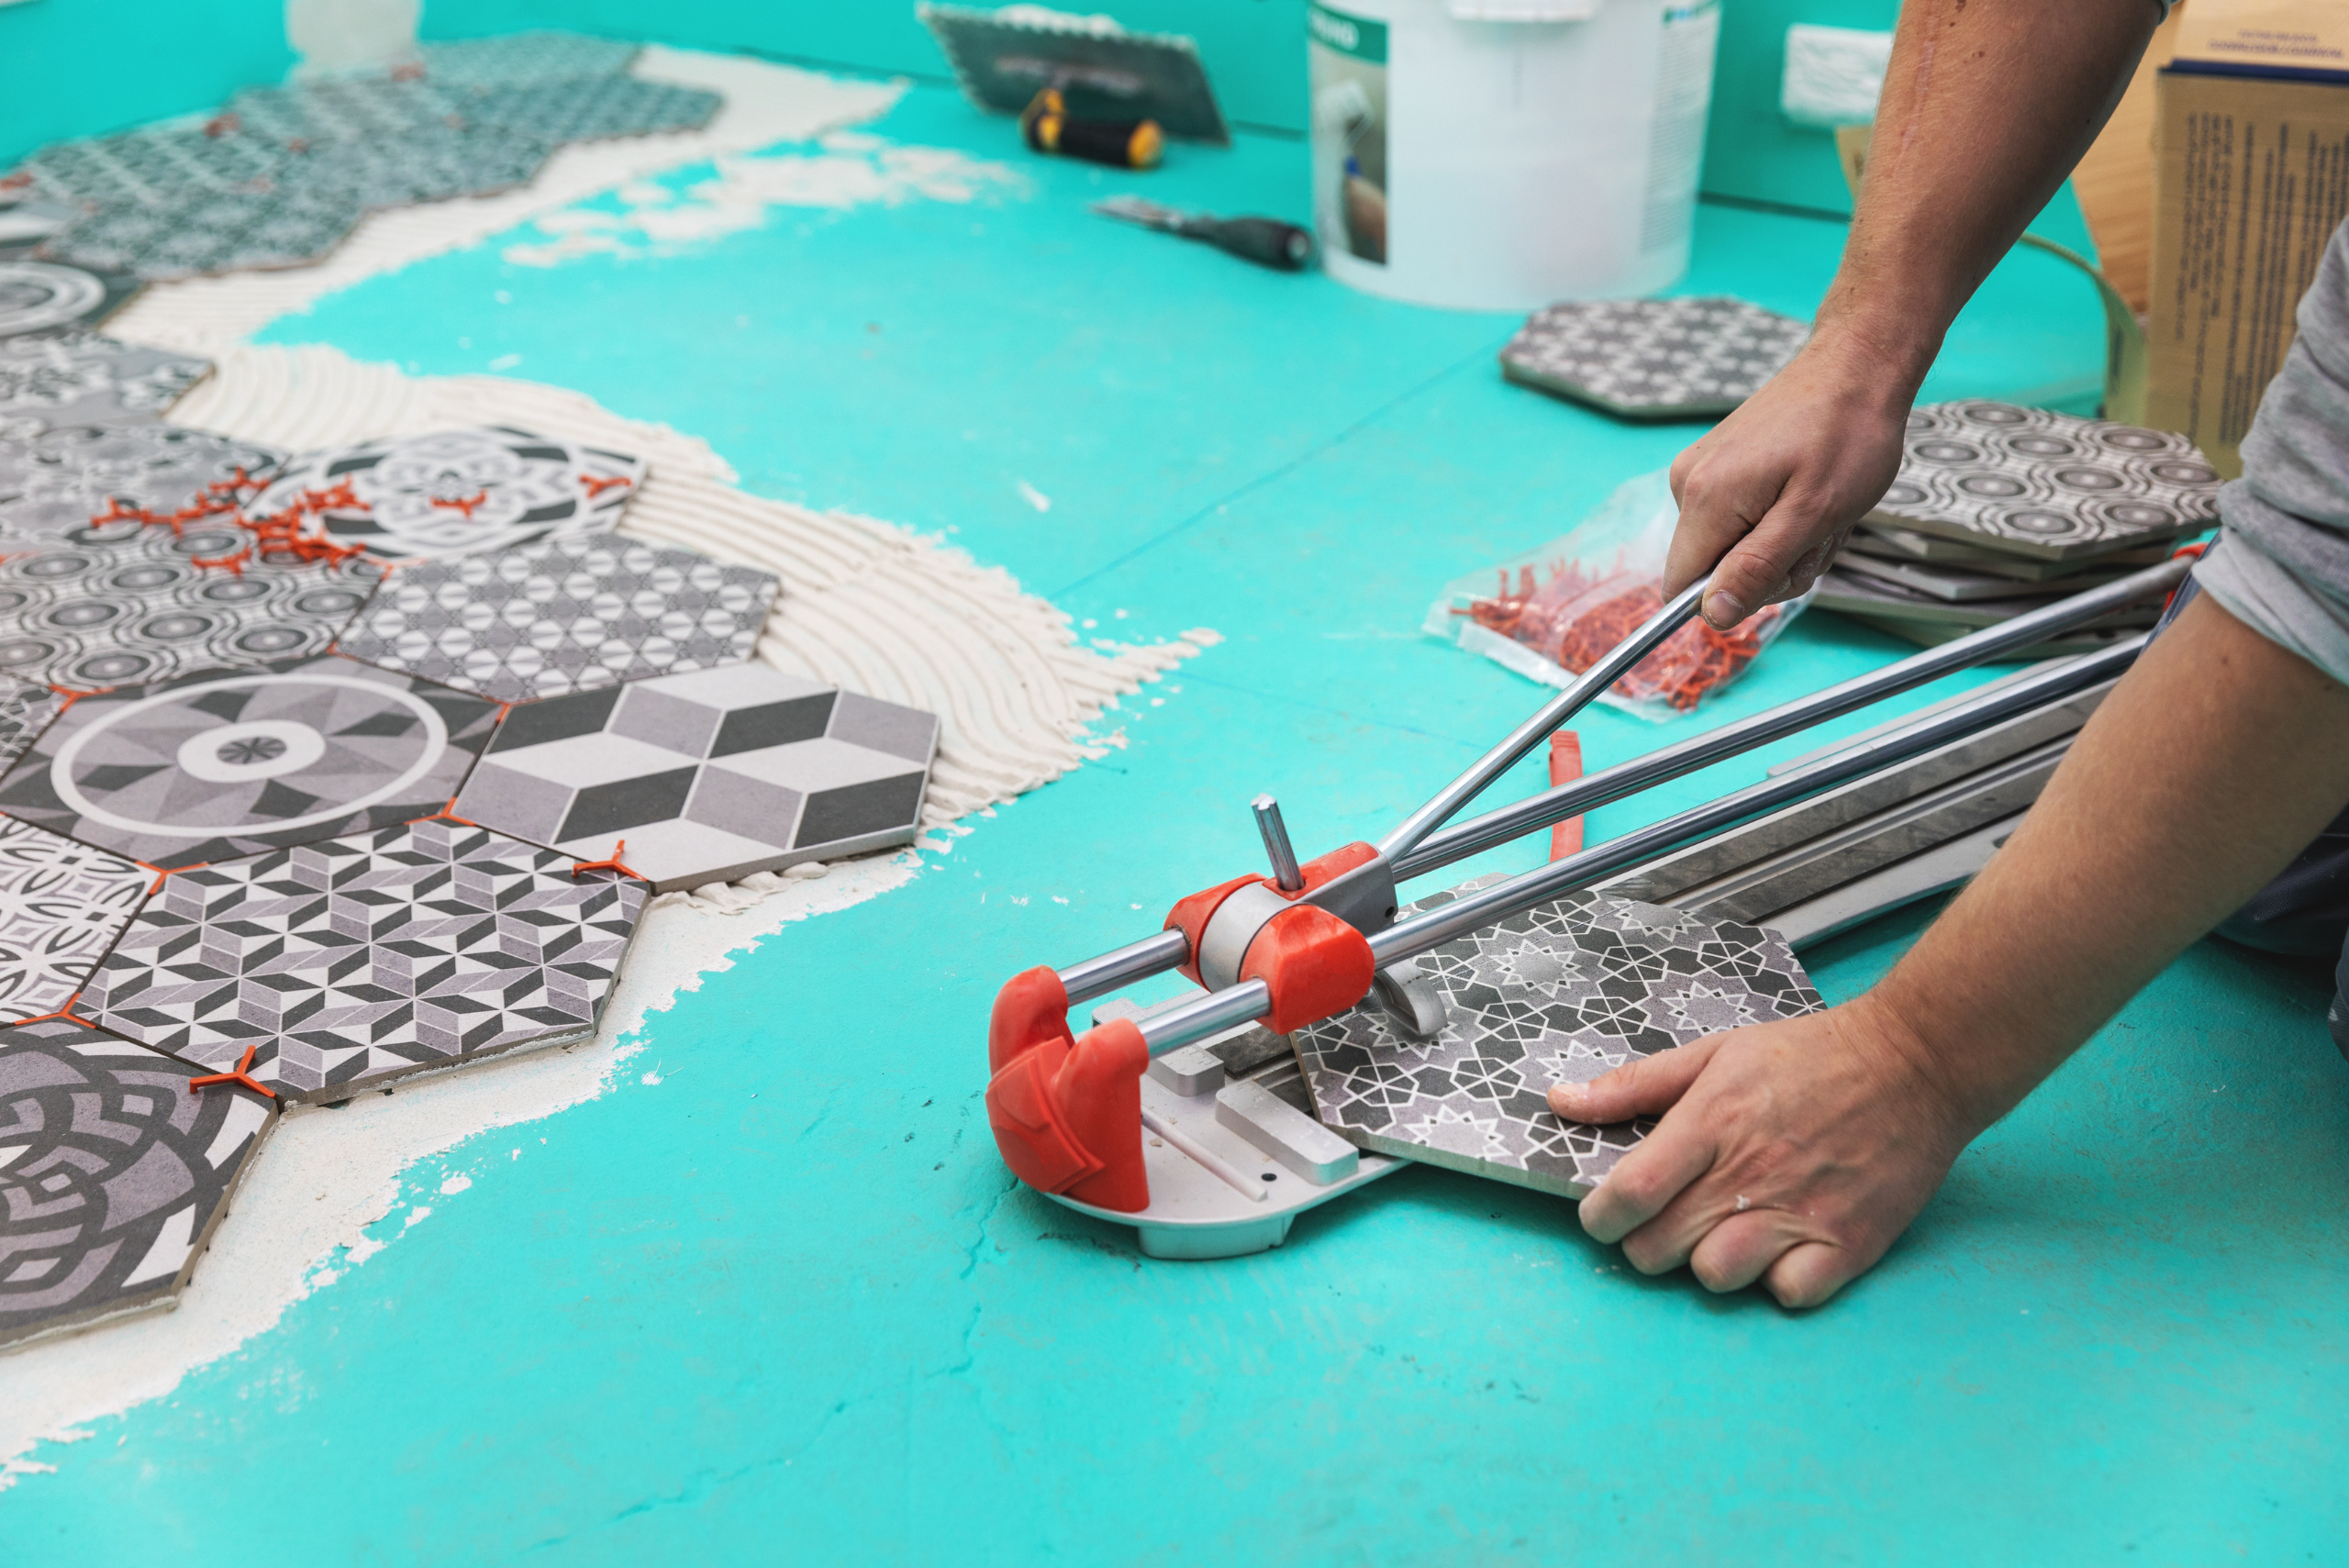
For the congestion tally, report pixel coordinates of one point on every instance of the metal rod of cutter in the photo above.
(1154, 954)
(1555, 805)
(1610, 669)
(1416, 934)
(1288, 875)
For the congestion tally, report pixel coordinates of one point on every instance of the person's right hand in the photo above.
(1768, 496)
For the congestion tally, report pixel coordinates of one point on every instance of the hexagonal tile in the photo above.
(61, 905)
(41, 295)
(516, 58)
(707, 777)
(349, 962)
(211, 767)
(211, 232)
(24, 711)
(80, 378)
(1653, 358)
(564, 615)
(54, 484)
(114, 1170)
(127, 604)
(458, 491)
(594, 108)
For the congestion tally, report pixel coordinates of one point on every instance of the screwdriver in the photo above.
(1266, 241)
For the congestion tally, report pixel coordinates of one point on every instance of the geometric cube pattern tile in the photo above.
(2029, 481)
(1559, 994)
(458, 492)
(1653, 358)
(57, 481)
(39, 296)
(80, 378)
(61, 905)
(564, 615)
(211, 767)
(345, 963)
(707, 776)
(130, 605)
(113, 1173)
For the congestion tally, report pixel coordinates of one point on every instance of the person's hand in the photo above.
(1772, 491)
(1793, 1153)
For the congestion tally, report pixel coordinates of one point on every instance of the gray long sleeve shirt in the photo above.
(2284, 567)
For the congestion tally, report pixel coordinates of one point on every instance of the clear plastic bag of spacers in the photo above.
(1550, 613)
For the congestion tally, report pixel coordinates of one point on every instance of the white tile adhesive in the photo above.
(864, 604)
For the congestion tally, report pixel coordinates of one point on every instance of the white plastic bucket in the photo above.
(1500, 165)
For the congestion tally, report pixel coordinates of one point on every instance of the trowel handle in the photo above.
(1266, 241)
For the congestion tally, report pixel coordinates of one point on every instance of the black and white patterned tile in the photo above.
(151, 167)
(54, 484)
(130, 604)
(431, 163)
(24, 711)
(40, 296)
(1559, 994)
(707, 776)
(212, 767)
(114, 1172)
(564, 615)
(1654, 357)
(62, 906)
(349, 962)
(82, 378)
(2030, 482)
(458, 492)
(206, 233)
(525, 58)
(595, 109)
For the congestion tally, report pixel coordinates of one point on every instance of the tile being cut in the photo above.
(564, 615)
(53, 485)
(1653, 358)
(127, 604)
(37, 296)
(345, 963)
(1559, 994)
(458, 492)
(2031, 483)
(212, 767)
(61, 905)
(114, 1170)
(707, 776)
(80, 378)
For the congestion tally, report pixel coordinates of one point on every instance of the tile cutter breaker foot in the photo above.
(1314, 939)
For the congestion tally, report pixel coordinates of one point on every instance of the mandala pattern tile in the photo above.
(564, 615)
(460, 492)
(1559, 994)
(1653, 358)
(25, 221)
(41, 295)
(127, 604)
(114, 1173)
(349, 962)
(211, 767)
(707, 776)
(61, 905)
(80, 378)
(2029, 481)
(54, 484)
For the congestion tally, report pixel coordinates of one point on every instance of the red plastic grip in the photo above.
(1030, 1009)
(1191, 916)
(1067, 1116)
(1314, 965)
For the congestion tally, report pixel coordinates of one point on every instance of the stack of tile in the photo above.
(1654, 358)
(1998, 510)
(280, 175)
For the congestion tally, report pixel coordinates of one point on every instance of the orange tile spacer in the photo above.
(1566, 766)
(619, 846)
(240, 1073)
(465, 505)
(232, 564)
(596, 486)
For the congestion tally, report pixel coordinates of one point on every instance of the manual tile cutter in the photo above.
(1274, 953)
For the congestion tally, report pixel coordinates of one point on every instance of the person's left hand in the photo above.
(1793, 1153)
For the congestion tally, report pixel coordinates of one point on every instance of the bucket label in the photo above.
(1346, 56)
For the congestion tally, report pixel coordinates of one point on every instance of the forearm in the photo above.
(2218, 759)
(1987, 105)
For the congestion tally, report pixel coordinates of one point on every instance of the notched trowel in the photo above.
(1004, 58)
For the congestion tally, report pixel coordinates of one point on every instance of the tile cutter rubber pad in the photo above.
(1318, 937)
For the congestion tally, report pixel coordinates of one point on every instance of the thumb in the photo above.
(1649, 1086)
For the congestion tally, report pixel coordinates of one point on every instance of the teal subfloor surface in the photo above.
(823, 1324)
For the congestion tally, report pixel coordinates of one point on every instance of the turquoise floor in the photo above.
(824, 1326)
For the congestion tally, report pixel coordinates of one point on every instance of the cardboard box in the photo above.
(2301, 38)
(2251, 178)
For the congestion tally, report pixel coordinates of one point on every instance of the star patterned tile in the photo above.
(2029, 481)
(53, 485)
(1559, 994)
(1653, 358)
(114, 1172)
(80, 378)
(39, 296)
(707, 776)
(458, 492)
(211, 767)
(129, 603)
(352, 961)
(61, 905)
(564, 615)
